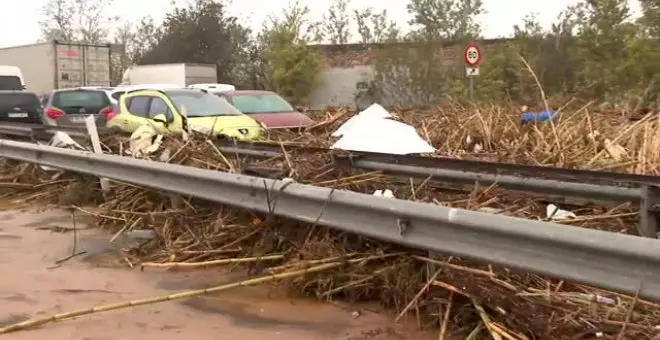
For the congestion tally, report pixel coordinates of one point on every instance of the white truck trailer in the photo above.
(182, 74)
(54, 65)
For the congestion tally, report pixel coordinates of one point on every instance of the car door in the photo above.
(158, 106)
(138, 113)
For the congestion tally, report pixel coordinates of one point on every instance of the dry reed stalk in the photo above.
(536, 307)
(174, 265)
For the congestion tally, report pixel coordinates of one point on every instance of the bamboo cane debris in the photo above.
(517, 305)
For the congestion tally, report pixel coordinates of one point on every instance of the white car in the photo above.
(118, 91)
(213, 88)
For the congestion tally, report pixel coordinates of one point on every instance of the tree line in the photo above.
(594, 50)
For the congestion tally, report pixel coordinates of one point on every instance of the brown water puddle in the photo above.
(32, 241)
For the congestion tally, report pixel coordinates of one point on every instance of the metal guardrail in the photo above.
(41, 132)
(642, 190)
(623, 263)
(519, 170)
(568, 183)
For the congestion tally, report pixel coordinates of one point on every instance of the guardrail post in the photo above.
(649, 206)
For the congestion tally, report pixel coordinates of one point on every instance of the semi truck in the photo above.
(181, 74)
(54, 65)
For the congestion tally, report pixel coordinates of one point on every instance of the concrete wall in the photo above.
(338, 86)
(350, 64)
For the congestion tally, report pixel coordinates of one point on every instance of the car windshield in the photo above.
(200, 104)
(80, 101)
(25, 101)
(261, 103)
(10, 83)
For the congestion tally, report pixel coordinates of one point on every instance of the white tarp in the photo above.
(372, 131)
(374, 111)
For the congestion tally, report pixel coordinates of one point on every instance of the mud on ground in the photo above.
(32, 241)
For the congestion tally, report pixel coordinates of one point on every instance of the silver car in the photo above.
(70, 107)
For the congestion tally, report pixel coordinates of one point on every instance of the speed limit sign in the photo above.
(473, 56)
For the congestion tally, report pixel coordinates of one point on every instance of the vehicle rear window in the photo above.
(84, 102)
(10, 83)
(261, 103)
(26, 101)
(200, 104)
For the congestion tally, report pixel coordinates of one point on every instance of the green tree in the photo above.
(650, 19)
(455, 20)
(201, 32)
(414, 73)
(376, 27)
(603, 29)
(336, 23)
(131, 42)
(293, 66)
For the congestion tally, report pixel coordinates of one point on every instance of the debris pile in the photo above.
(457, 296)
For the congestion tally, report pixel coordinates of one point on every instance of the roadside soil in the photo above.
(32, 285)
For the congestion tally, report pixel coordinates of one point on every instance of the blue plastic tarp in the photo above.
(543, 116)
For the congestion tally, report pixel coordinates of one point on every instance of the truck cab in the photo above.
(11, 78)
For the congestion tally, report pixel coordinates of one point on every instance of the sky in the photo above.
(19, 20)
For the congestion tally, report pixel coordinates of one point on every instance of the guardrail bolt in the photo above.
(403, 224)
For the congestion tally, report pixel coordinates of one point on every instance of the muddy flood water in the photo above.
(32, 285)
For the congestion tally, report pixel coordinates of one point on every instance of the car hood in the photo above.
(282, 120)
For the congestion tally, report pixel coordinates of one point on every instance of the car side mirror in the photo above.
(162, 118)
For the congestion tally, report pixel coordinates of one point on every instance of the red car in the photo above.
(268, 108)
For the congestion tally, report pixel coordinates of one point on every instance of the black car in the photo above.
(20, 107)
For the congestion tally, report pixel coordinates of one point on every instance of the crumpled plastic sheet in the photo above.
(375, 111)
(62, 140)
(144, 141)
(372, 131)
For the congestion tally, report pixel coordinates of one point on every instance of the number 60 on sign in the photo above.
(473, 58)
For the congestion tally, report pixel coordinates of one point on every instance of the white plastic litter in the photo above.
(61, 140)
(375, 111)
(598, 298)
(383, 136)
(144, 141)
(201, 129)
(474, 143)
(384, 193)
(554, 213)
(140, 234)
(616, 151)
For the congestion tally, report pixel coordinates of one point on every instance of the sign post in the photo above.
(473, 59)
